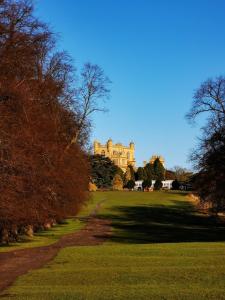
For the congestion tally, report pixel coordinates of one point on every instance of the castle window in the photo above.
(128, 155)
(103, 153)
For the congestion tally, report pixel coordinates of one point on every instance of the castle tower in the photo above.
(132, 146)
(121, 155)
(131, 154)
(109, 145)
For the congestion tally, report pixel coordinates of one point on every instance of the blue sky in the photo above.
(156, 54)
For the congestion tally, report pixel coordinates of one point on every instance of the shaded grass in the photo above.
(163, 218)
(146, 257)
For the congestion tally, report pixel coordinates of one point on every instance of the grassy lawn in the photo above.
(161, 248)
(50, 236)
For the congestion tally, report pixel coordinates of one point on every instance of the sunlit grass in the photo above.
(130, 267)
(159, 271)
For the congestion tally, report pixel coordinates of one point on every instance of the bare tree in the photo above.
(210, 99)
(92, 92)
(209, 156)
(181, 174)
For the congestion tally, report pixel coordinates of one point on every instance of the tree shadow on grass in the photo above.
(178, 222)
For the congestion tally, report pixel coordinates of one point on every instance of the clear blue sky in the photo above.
(156, 54)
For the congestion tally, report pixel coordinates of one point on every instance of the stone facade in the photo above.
(121, 155)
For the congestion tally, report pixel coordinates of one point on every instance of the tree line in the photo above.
(106, 175)
(45, 109)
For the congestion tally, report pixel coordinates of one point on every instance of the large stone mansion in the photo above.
(121, 155)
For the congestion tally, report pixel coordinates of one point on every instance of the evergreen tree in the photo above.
(130, 184)
(103, 171)
(149, 171)
(158, 185)
(159, 170)
(141, 174)
(146, 184)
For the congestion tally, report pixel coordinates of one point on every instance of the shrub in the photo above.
(117, 182)
(130, 184)
(92, 187)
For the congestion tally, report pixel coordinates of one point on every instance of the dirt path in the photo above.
(19, 262)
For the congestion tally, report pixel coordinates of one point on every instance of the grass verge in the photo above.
(50, 236)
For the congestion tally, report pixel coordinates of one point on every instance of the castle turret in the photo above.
(132, 145)
(109, 145)
(96, 145)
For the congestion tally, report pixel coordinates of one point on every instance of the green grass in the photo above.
(161, 248)
(53, 234)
